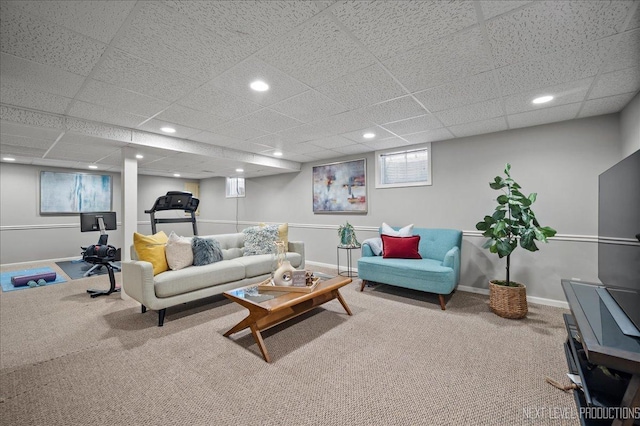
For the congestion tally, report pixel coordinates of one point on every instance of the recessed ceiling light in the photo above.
(93, 166)
(369, 135)
(542, 99)
(278, 153)
(168, 129)
(139, 156)
(239, 170)
(8, 159)
(176, 174)
(259, 86)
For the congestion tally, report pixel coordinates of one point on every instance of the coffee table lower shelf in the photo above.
(282, 306)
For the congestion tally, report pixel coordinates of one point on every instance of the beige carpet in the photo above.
(67, 359)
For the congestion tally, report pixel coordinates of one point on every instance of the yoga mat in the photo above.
(75, 269)
(5, 278)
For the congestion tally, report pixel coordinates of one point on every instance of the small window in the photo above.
(235, 187)
(408, 167)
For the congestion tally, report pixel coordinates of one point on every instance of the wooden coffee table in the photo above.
(270, 308)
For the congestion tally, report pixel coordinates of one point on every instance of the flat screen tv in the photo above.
(619, 234)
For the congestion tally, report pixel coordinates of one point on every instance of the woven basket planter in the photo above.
(508, 302)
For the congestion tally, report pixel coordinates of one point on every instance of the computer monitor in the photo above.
(98, 221)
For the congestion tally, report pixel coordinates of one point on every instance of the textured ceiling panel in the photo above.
(21, 150)
(470, 113)
(99, 20)
(71, 138)
(239, 131)
(268, 121)
(33, 132)
(19, 72)
(343, 123)
(358, 135)
(219, 103)
(316, 52)
(566, 93)
(352, 149)
(37, 40)
(33, 99)
(190, 117)
(129, 72)
(333, 142)
(103, 114)
(491, 9)
(308, 106)
(22, 141)
(414, 125)
(497, 124)
(429, 136)
(605, 105)
(388, 143)
(214, 139)
(154, 125)
(99, 93)
(30, 118)
(364, 87)
(388, 28)
(452, 58)
(480, 87)
(304, 133)
(626, 53)
(542, 116)
(616, 83)
(394, 110)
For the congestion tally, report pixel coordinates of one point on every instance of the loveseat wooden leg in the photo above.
(161, 314)
(441, 297)
(364, 282)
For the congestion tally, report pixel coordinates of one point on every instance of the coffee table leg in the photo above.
(258, 337)
(343, 302)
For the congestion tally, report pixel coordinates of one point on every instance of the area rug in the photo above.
(5, 278)
(75, 269)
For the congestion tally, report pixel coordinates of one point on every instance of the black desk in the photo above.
(594, 339)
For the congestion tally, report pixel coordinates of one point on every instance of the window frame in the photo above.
(237, 193)
(401, 150)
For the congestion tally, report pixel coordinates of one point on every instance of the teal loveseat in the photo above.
(437, 272)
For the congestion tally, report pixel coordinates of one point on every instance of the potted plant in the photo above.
(512, 224)
(347, 236)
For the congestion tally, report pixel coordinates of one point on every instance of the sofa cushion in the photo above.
(193, 278)
(400, 247)
(259, 240)
(178, 252)
(205, 251)
(407, 231)
(150, 248)
(424, 274)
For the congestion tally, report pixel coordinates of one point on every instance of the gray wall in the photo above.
(630, 126)
(560, 161)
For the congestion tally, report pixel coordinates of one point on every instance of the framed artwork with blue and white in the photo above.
(340, 187)
(62, 193)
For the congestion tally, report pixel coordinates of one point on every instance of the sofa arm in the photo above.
(366, 250)
(297, 247)
(137, 282)
(452, 260)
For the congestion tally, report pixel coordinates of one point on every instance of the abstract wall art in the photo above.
(74, 192)
(340, 187)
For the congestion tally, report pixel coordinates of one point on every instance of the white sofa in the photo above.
(172, 288)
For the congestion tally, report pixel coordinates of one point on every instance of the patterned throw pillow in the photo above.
(205, 251)
(259, 240)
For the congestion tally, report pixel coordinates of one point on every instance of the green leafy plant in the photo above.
(348, 235)
(512, 223)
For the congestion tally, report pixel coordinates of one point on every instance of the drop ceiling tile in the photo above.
(470, 113)
(352, 149)
(34, 99)
(218, 102)
(332, 142)
(308, 106)
(237, 130)
(497, 124)
(303, 133)
(103, 114)
(316, 52)
(88, 153)
(237, 79)
(129, 72)
(268, 121)
(550, 26)
(476, 88)
(30, 118)
(606, 105)
(626, 53)
(306, 148)
(635, 20)
(215, 139)
(158, 35)
(543, 116)
(326, 155)
(190, 117)
(70, 138)
(450, 58)
(364, 87)
(394, 110)
(414, 125)
(22, 141)
(429, 136)
(388, 28)
(566, 93)
(358, 135)
(491, 9)
(37, 40)
(154, 125)
(32, 132)
(300, 158)
(553, 69)
(343, 123)
(99, 20)
(388, 143)
(18, 72)
(108, 95)
(22, 151)
(616, 83)
(48, 162)
(100, 130)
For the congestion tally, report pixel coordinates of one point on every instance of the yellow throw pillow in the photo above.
(150, 248)
(283, 233)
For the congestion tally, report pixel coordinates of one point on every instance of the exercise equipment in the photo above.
(101, 254)
(23, 280)
(175, 200)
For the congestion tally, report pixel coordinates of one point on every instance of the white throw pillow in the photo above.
(178, 251)
(407, 231)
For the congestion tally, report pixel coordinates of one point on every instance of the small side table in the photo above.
(349, 271)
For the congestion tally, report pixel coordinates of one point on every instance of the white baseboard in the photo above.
(530, 299)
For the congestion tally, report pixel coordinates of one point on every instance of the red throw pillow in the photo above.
(400, 247)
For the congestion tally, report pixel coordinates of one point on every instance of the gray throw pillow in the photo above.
(260, 239)
(205, 251)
